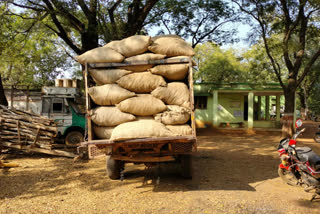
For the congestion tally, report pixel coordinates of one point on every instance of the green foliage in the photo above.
(198, 20)
(217, 65)
(259, 67)
(29, 57)
(314, 99)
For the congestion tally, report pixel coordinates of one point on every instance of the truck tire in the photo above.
(186, 166)
(113, 168)
(74, 138)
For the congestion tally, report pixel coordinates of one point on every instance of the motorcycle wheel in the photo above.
(288, 177)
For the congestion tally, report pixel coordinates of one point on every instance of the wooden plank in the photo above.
(193, 125)
(144, 159)
(88, 108)
(19, 134)
(147, 62)
(177, 139)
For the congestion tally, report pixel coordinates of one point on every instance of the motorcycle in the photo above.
(300, 166)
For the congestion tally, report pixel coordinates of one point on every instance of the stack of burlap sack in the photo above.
(140, 101)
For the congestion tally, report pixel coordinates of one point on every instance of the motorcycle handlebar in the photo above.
(298, 133)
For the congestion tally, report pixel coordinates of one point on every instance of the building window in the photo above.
(200, 102)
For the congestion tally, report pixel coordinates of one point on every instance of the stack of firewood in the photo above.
(26, 129)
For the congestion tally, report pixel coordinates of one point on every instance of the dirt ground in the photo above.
(232, 174)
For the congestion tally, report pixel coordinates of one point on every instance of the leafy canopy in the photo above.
(218, 66)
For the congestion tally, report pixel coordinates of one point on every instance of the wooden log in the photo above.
(19, 134)
(25, 129)
(40, 150)
(17, 111)
(23, 132)
(46, 128)
(7, 165)
(29, 143)
(37, 136)
(25, 118)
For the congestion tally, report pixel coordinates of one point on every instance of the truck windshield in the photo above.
(57, 105)
(78, 108)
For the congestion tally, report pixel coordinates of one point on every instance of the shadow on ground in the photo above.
(223, 162)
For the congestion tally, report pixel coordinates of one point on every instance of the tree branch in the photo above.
(309, 66)
(112, 20)
(84, 7)
(61, 33)
(198, 27)
(302, 39)
(210, 32)
(28, 7)
(165, 25)
(76, 23)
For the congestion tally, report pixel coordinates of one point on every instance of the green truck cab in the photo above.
(66, 107)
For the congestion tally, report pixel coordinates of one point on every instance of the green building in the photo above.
(242, 105)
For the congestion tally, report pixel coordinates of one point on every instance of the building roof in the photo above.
(206, 89)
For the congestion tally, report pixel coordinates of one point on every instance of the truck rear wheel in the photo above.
(113, 168)
(186, 166)
(74, 138)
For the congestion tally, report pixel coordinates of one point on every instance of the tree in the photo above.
(294, 20)
(314, 99)
(217, 65)
(199, 20)
(86, 24)
(80, 24)
(306, 88)
(258, 66)
(29, 57)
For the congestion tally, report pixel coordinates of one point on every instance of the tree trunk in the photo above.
(89, 38)
(287, 126)
(3, 99)
(306, 109)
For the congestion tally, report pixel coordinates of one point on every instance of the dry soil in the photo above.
(233, 173)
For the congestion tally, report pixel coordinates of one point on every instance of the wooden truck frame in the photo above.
(145, 150)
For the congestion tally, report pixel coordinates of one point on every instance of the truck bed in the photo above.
(153, 145)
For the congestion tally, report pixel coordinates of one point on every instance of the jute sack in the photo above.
(142, 57)
(171, 71)
(109, 94)
(174, 115)
(109, 116)
(140, 129)
(142, 105)
(131, 46)
(107, 76)
(139, 118)
(103, 132)
(180, 129)
(101, 54)
(166, 36)
(175, 93)
(171, 46)
(141, 82)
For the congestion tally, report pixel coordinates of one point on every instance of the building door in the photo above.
(245, 109)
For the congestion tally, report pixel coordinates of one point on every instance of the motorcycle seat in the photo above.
(306, 154)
